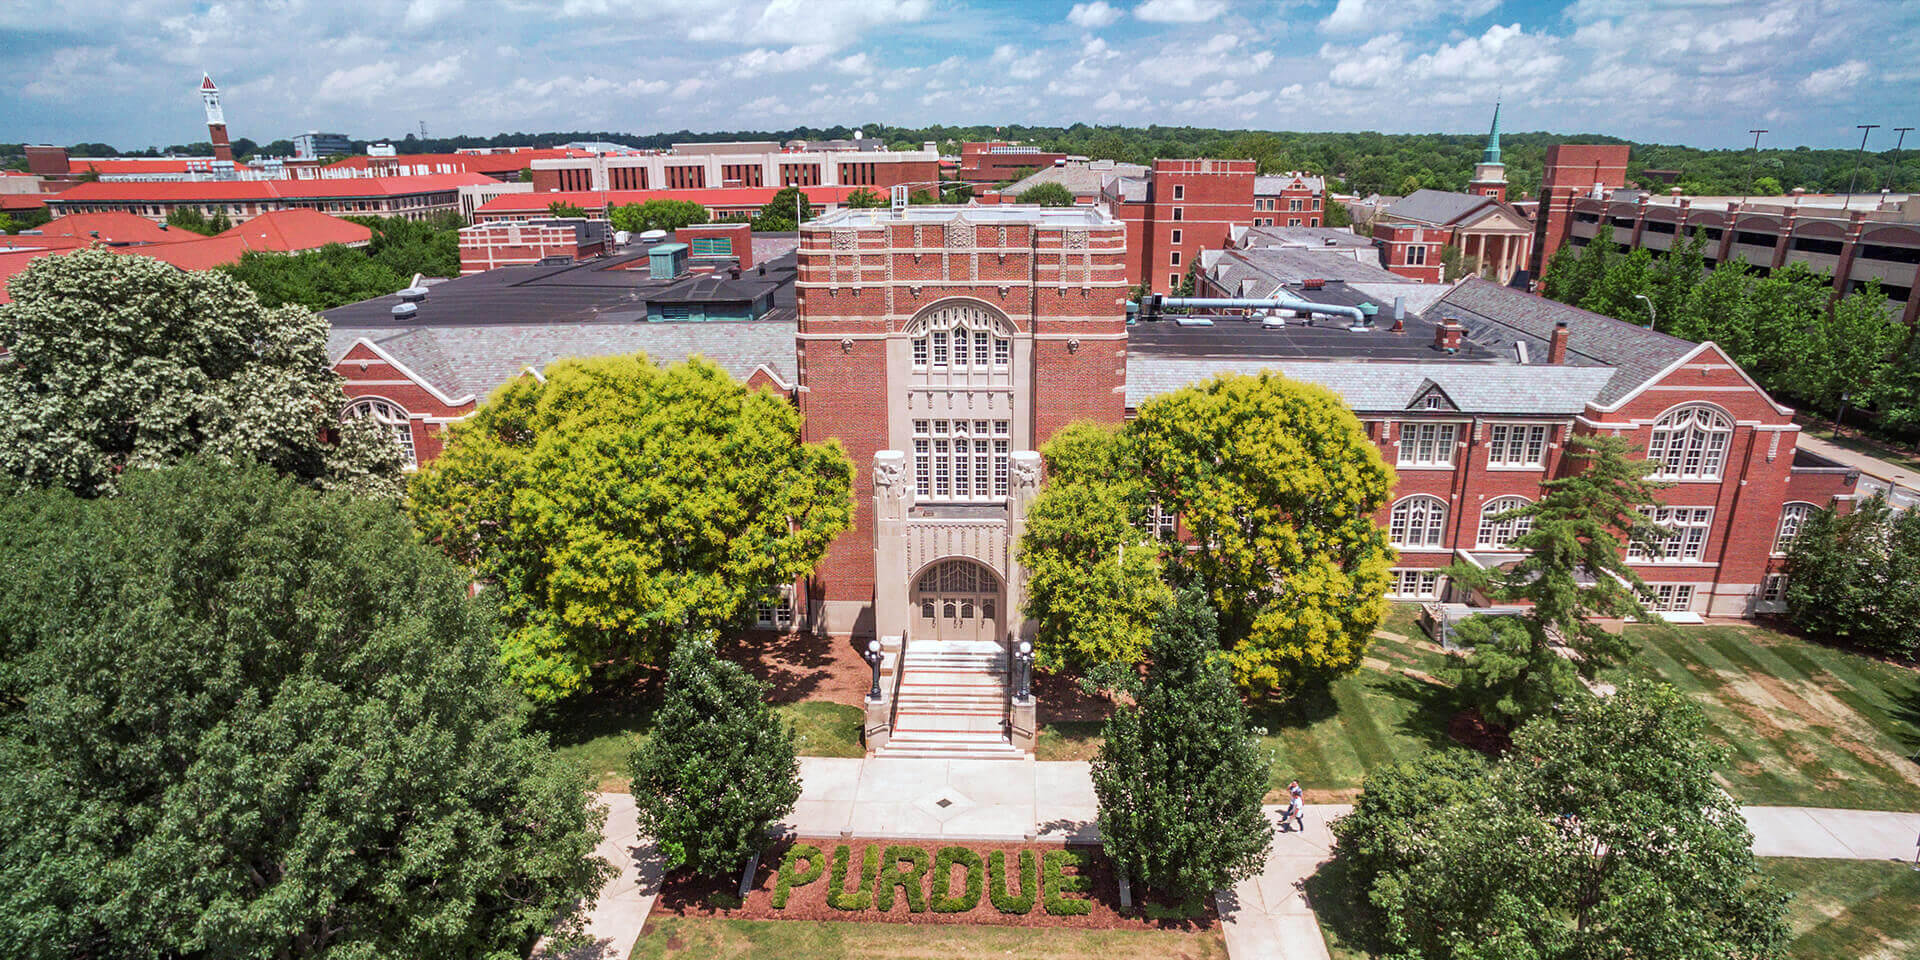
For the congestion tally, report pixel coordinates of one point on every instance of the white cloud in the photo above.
(1834, 79)
(1378, 16)
(1093, 15)
(421, 13)
(1180, 11)
(858, 64)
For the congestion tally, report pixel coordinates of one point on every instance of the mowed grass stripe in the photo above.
(1370, 742)
(1867, 686)
(1868, 926)
(1664, 656)
(1828, 763)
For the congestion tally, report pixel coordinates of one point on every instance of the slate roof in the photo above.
(1270, 185)
(1303, 237)
(1542, 389)
(1496, 315)
(472, 360)
(1437, 207)
(1083, 179)
(1269, 267)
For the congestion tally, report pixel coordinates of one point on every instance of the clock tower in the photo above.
(216, 120)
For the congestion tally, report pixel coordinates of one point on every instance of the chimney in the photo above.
(1447, 335)
(1557, 347)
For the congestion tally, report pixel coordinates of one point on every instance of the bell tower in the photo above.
(216, 120)
(1490, 175)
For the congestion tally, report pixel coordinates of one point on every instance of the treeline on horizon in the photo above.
(1362, 162)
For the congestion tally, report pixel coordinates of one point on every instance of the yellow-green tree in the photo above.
(1275, 486)
(618, 504)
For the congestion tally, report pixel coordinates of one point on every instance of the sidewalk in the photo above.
(1265, 917)
(1901, 484)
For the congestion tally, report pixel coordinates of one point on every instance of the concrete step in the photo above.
(946, 726)
(947, 752)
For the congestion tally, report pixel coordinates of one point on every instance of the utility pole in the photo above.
(1865, 128)
(1751, 160)
(1897, 144)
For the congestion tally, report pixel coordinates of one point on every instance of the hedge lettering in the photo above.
(1057, 883)
(943, 900)
(862, 896)
(892, 875)
(1017, 903)
(791, 875)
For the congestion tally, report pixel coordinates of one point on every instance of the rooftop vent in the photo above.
(405, 311)
(653, 236)
(413, 294)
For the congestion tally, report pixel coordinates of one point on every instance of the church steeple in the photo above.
(1490, 175)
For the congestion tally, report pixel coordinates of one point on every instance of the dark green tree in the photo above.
(316, 279)
(241, 718)
(1049, 194)
(1855, 577)
(1179, 777)
(192, 220)
(560, 208)
(1455, 264)
(786, 211)
(865, 198)
(1573, 571)
(657, 214)
(720, 768)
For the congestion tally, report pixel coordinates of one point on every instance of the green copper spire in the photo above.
(1492, 154)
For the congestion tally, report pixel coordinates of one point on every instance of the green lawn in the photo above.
(691, 938)
(1807, 724)
(1841, 910)
(600, 731)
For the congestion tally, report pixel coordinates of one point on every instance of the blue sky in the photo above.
(1691, 71)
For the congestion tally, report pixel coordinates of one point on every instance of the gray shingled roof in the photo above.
(1387, 387)
(1303, 237)
(1260, 270)
(1270, 185)
(1083, 179)
(1496, 315)
(1437, 207)
(473, 360)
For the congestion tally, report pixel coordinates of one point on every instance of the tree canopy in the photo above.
(560, 208)
(1855, 577)
(244, 719)
(865, 198)
(191, 219)
(616, 505)
(1602, 833)
(334, 275)
(1275, 485)
(668, 215)
(1048, 194)
(123, 362)
(786, 211)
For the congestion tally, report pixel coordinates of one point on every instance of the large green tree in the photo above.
(240, 718)
(1855, 577)
(656, 214)
(615, 505)
(786, 211)
(1179, 776)
(316, 279)
(1049, 194)
(721, 769)
(1602, 833)
(1573, 570)
(123, 362)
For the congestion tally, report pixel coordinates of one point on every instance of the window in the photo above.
(1173, 281)
(1774, 588)
(1684, 545)
(1792, 518)
(1176, 236)
(1161, 522)
(1415, 585)
(1418, 522)
(1516, 444)
(961, 459)
(1417, 255)
(1293, 221)
(1690, 443)
(1426, 444)
(1178, 214)
(1295, 205)
(1498, 534)
(1179, 192)
(959, 339)
(1668, 597)
(389, 415)
(1174, 258)
(775, 612)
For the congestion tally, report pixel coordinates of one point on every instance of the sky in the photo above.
(1700, 72)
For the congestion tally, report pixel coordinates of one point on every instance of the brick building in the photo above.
(487, 246)
(415, 198)
(704, 166)
(1288, 200)
(986, 164)
(720, 202)
(1571, 170)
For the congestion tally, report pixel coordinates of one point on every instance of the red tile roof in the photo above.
(711, 197)
(111, 227)
(298, 229)
(14, 261)
(22, 201)
(242, 190)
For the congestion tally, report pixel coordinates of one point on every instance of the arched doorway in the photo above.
(958, 601)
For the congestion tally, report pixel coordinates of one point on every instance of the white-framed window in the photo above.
(961, 460)
(1792, 517)
(1418, 522)
(775, 612)
(1176, 236)
(1774, 588)
(1417, 255)
(1684, 545)
(390, 415)
(1668, 597)
(1295, 204)
(1415, 584)
(1517, 444)
(1173, 280)
(1179, 214)
(1427, 444)
(1161, 522)
(1690, 443)
(1293, 221)
(1173, 258)
(962, 339)
(1498, 534)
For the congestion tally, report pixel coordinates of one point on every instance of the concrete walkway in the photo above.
(1266, 917)
(1901, 484)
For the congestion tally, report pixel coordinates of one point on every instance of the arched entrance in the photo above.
(958, 601)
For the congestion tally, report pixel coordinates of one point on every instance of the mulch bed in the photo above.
(1470, 729)
(686, 896)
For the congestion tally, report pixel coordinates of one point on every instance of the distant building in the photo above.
(314, 145)
(415, 198)
(753, 164)
(998, 161)
(722, 203)
(489, 246)
(1288, 200)
(1082, 178)
(1419, 226)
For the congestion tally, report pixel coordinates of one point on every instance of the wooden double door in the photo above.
(958, 601)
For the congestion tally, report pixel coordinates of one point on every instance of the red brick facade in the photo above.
(1412, 251)
(486, 246)
(1572, 170)
(985, 164)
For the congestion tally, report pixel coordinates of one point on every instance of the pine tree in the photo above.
(719, 770)
(1573, 570)
(1179, 777)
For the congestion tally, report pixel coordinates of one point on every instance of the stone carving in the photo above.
(1026, 471)
(960, 234)
(889, 475)
(845, 240)
(1076, 239)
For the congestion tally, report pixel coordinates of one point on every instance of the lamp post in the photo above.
(1752, 159)
(1023, 672)
(873, 659)
(1653, 319)
(1897, 144)
(1865, 128)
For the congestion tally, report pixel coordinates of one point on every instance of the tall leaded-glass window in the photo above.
(1426, 444)
(962, 339)
(1792, 517)
(1418, 522)
(961, 460)
(1498, 533)
(1516, 444)
(391, 416)
(1686, 540)
(1690, 443)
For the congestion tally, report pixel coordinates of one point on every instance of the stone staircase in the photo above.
(951, 703)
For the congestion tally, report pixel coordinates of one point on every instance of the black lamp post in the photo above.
(873, 659)
(1023, 672)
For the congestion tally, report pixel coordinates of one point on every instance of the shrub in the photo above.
(862, 897)
(1056, 883)
(943, 864)
(891, 876)
(792, 876)
(1018, 903)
